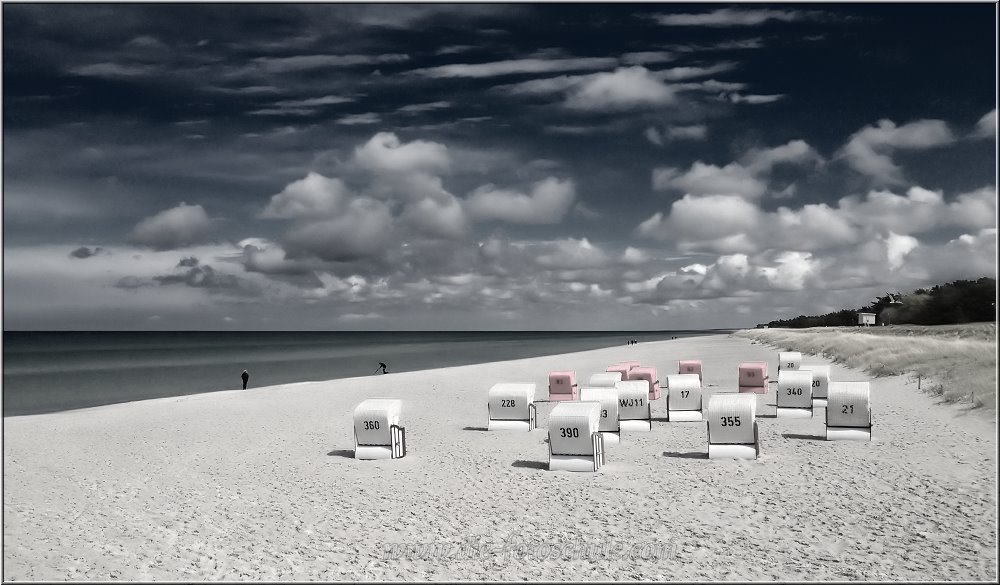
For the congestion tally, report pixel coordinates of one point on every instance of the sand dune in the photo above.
(262, 485)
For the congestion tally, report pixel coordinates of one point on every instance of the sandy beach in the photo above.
(262, 485)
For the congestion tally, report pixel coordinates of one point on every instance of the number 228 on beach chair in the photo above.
(575, 441)
(562, 385)
(849, 412)
(377, 434)
(511, 407)
(732, 427)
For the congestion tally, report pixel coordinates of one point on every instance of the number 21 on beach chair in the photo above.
(377, 434)
(849, 412)
(511, 407)
(732, 427)
(575, 441)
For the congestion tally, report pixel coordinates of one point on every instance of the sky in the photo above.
(489, 166)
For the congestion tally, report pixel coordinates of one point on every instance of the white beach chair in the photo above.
(849, 412)
(604, 380)
(377, 434)
(789, 360)
(794, 394)
(575, 443)
(684, 398)
(634, 409)
(732, 427)
(511, 407)
(821, 383)
(608, 398)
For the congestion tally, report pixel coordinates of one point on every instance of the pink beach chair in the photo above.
(690, 367)
(753, 377)
(648, 374)
(621, 369)
(629, 364)
(562, 385)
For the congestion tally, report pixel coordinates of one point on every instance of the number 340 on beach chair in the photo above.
(377, 434)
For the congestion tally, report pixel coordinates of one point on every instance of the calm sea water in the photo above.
(52, 371)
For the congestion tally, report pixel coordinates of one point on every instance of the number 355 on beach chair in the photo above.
(575, 441)
(849, 412)
(732, 427)
(377, 434)
(511, 407)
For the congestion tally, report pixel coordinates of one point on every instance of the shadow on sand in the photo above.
(688, 455)
(475, 429)
(804, 437)
(348, 453)
(530, 464)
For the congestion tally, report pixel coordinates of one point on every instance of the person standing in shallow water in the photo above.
(246, 378)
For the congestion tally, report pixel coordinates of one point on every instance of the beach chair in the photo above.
(562, 385)
(794, 394)
(649, 375)
(789, 360)
(690, 367)
(377, 434)
(732, 427)
(684, 398)
(605, 380)
(620, 369)
(753, 377)
(511, 407)
(629, 365)
(821, 383)
(575, 443)
(608, 426)
(849, 412)
(634, 410)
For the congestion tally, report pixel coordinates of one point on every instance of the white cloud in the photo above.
(727, 17)
(572, 254)
(362, 231)
(308, 197)
(682, 73)
(646, 57)
(548, 202)
(694, 132)
(516, 66)
(869, 150)
(754, 99)
(385, 152)
(634, 256)
(974, 210)
(424, 107)
(440, 216)
(653, 135)
(358, 119)
(986, 127)
(177, 227)
(897, 247)
(625, 88)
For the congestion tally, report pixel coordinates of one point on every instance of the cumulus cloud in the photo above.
(869, 150)
(362, 231)
(986, 127)
(314, 195)
(625, 88)
(385, 152)
(440, 216)
(897, 247)
(548, 202)
(747, 177)
(572, 254)
(177, 227)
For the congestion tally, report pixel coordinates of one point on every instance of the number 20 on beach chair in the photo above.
(377, 434)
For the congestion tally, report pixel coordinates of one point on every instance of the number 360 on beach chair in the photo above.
(575, 441)
(377, 434)
(511, 407)
(732, 427)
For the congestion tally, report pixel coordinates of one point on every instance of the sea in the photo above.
(54, 371)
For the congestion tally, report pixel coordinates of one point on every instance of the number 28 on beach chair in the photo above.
(377, 434)
(684, 398)
(794, 394)
(789, 360)
(562, 385)
(511, 407)
(849, 412)
(575, 441)
(732, 427)
(634, 411)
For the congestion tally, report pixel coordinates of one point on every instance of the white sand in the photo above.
(261, 484)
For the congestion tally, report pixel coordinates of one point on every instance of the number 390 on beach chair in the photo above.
(511, 407)
(377, 434)
(849, 412)
(732, 427)
(575, 441)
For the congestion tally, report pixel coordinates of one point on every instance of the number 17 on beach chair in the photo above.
(377, 434)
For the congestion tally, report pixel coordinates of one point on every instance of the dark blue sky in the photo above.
(490, 165)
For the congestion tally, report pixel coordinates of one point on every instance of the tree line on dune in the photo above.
(961, 301)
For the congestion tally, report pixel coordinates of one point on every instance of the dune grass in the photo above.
(958, 362)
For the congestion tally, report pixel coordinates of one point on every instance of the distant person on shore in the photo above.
(385, 368)
(246, 378)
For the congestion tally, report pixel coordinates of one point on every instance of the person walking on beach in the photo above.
(384, 367)
(246, 378)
